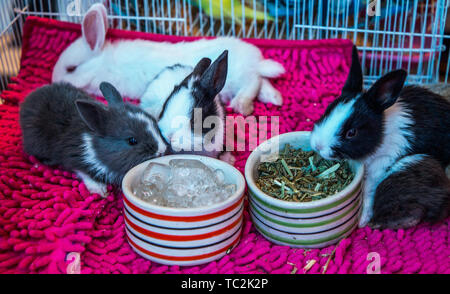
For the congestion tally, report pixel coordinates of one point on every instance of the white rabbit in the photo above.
(131, 64)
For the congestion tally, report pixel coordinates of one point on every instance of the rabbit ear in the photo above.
(93, 114)
(386, 90)
(213, 79)
(354, 83)
(110, 93)
(95, 26)
(104, 14)
(201, 66)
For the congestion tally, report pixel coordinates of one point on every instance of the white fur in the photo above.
(270, 69)
(325, 135)
(92, 185)
(177, 110)
(268, 94)
(404, 163)
(395, 144)
(91, 159)
(378, 169)
(161, 87)
(131, 64)
(176, 129)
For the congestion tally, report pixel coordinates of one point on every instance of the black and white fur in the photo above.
(162, 86)
(387, 128)
(62, 125)
(191, 108)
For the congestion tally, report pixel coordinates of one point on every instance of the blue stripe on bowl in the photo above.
(182, 229)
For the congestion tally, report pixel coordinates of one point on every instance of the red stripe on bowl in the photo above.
(182, 218)
(180, 238)
(182, 258)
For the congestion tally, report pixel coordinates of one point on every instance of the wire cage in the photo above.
(390, 34)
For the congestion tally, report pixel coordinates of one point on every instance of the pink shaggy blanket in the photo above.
(49, 221)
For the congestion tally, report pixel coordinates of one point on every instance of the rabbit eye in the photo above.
(71, 69)
(351, 133)
(132, 141)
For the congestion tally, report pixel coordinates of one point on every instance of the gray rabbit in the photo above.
(64, 126)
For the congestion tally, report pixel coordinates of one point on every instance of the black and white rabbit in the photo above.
(191, 115)
(394, 131)
(62, 125)
(160, 88)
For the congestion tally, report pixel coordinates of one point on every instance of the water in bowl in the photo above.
(183, 183)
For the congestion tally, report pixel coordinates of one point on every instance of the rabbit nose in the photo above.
(166, 151)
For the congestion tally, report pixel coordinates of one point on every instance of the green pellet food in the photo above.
(302, 176)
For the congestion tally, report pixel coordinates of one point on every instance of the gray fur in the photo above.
(63, 126)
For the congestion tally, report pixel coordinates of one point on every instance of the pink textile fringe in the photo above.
(46, 213)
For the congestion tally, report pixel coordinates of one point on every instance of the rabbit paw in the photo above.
(275, 98)
(394, 224)
(366, 215)
(242, 105)
(93, 186)
(97, 188)
(268, 94)
(228, 157)
(404, 217)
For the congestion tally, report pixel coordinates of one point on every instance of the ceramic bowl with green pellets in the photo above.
(298, 198)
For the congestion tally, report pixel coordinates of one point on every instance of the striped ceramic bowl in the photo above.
(183, 236)
(312, 224)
